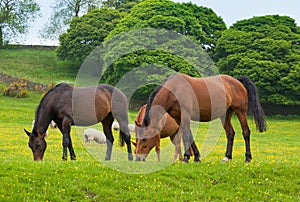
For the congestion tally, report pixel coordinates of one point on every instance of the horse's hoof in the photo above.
(185, 160)
(197, 159)
(73, 159)
(225, 159)
(64, 158)
(130, 157)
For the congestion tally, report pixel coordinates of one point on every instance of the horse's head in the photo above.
(37, 144)
(147, 134)
(143, 145)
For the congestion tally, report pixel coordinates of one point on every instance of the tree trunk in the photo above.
(1, 38)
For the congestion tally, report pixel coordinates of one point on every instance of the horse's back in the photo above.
(210, 97)
(92, 104)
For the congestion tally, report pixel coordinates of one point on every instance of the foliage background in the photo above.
(264, 48)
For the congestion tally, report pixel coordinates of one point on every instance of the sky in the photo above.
(230, 10)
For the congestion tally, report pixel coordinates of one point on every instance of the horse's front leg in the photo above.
(67, 141)
(176, 139)
(188, 140)
(157, 146)
(71, 150)
(124, 133)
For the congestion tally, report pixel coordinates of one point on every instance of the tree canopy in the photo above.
(266, 49)
(141, 40)
(197, 22)
(87, 32)
(15, 16)
(130, 35)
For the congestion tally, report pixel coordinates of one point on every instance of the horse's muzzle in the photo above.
(37, 158)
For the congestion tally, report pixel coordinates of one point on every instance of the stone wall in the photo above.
(4, 78)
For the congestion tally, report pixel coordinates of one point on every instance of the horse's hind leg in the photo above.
(107, 123)
(242, 116)
(124, 133)
(226, 120)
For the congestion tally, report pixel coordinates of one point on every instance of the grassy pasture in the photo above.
(273, 175)
(37, 65)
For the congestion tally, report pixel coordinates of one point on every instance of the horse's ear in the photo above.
(35, 132)
(136, 123)
(28, 133)
(134, 143)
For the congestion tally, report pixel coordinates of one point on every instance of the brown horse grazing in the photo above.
(204, 99)
(170, 129)
(82, 106)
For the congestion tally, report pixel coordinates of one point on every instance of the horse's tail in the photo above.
(253, 103)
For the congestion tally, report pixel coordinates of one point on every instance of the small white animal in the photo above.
(131, 127)
(115, 126)
(53, 125)
(92, 134)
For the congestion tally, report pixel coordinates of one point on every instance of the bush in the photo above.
(17, 89)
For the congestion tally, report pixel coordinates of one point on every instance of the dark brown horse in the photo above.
(82, 106)
(204, 99)
(170, 129)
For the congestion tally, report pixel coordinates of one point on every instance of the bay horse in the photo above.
(82, 106)
(170, 129)
(186, 98)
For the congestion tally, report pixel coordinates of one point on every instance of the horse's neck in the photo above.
(163, 99)
(42, 122)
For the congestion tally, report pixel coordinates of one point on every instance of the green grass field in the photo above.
(273, 175)
(37, 65)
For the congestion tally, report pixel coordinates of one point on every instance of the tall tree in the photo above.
(199, 24)
(87, 32)
(267, 49)
(63, 11)
(15, 16)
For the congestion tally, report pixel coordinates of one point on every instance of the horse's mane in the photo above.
(45, 97)
(140, 116)
(146, 121)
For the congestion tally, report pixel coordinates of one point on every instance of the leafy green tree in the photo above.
(198, 24)
(87, 32)
(267, 49)
(15, 16)
(121, 4)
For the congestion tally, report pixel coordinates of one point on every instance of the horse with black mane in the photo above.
(82, 106)
(204, 99)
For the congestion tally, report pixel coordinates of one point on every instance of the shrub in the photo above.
(17, 89)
